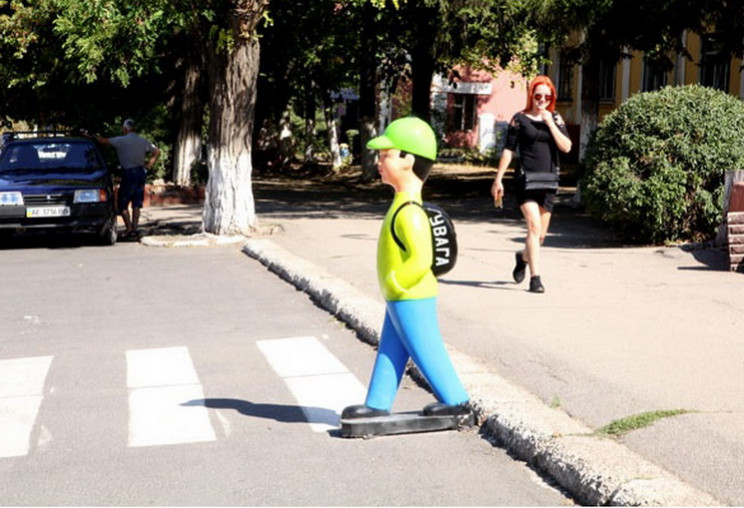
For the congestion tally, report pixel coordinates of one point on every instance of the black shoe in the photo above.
(519, 269)
(362, 411)
(441, 409)
(536, 285)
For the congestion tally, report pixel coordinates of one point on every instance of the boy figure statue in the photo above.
(408, 150)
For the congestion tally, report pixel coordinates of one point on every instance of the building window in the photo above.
(607, 81)
(654, 78)
(463, 112)
(565, 79)
(714, 64)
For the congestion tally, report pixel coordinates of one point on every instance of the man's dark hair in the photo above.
(421, 165)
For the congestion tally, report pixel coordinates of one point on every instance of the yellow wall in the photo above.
(570, 109)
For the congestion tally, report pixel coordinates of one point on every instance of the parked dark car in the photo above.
(49, 180)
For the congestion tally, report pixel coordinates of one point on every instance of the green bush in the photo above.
(654, 169)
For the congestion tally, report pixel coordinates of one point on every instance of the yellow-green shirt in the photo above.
(406, 274)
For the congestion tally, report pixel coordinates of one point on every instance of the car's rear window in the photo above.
(58, 156)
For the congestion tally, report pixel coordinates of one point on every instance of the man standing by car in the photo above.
(132, 150)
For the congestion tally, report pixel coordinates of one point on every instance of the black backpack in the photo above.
(443, 236)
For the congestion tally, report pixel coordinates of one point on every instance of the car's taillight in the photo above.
(11, 198)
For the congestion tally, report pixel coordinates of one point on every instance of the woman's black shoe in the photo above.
(536, 285)
(519, 269)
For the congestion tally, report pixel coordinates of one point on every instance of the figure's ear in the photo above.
(409, 157)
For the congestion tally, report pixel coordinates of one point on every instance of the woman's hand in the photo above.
(547, 117)
(497, 189)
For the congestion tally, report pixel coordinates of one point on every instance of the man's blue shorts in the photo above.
(132, 188)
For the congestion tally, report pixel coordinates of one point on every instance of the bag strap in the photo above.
(392, 223)
(554, 154)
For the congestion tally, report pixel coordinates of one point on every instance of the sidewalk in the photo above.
(620, 331)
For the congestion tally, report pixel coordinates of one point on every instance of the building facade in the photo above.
(472, 111)
(709, 66)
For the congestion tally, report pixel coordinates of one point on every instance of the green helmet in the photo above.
(409, 134)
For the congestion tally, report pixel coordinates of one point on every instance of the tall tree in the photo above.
(120, 38)
(233, 68)
(368, 89)
(308, 56)
(190, 98)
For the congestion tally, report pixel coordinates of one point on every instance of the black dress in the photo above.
(537, 151)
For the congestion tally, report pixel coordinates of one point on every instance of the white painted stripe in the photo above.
(324, 397)
(161, 382)
(160, 367)
(159, 417)
(17, 419)
(300, 356)
(319, 382)
(22, 383)
(23, 376)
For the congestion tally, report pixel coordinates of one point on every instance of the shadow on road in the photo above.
(278, 412)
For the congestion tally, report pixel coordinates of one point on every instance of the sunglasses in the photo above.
(539, 97)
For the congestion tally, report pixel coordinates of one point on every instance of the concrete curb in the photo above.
(593, 469)
(197, 240)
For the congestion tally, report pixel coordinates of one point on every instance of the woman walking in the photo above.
(537, 133)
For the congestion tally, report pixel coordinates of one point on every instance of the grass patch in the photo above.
(619, 428)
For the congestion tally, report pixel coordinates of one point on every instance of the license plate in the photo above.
(48, 211)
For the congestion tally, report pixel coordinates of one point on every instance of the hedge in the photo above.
(654, 168)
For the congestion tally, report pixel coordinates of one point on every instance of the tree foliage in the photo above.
(113, 39)
(655, 167)
(68, 63)
(493, 35)
(609, 28)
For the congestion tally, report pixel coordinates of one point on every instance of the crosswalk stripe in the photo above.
(319, 382)
(161, 381)
(22, 383)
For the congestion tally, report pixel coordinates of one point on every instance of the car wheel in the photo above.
(108, 235)
(6, 235)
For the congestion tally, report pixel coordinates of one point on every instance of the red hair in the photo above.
(541, 80)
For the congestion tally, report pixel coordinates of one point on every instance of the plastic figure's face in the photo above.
(391, 166)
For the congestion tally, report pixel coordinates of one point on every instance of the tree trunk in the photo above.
(286, 136)
(272, 114)
(368, 82)
(423, 54)
(422, 67)
(229, 208)
(188, 147)
(310, 110)
(332, 130)
(423, 61)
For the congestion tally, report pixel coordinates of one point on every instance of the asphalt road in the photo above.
(192, 376)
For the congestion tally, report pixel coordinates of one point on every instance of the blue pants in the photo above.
(132, 188)
(411, 330)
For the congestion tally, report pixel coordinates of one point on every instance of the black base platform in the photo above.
(403, 423)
